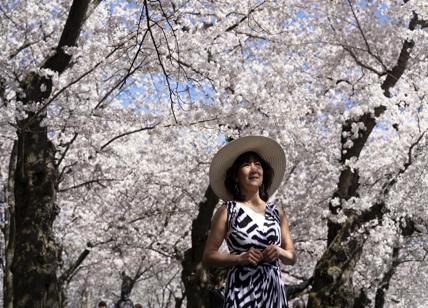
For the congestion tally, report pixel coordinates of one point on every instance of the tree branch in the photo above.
(88, 183)
(360, 63)
(158, 53)
(66, 149)
(364, 36)
(348, 183)
(140, 46)
(230, 28)
(383, 285)
(127, 134)
(386, 187)
(21, 48)
(59, 61)
(36, 87)
(73, 268)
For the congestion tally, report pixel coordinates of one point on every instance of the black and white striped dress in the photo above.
(253, 286)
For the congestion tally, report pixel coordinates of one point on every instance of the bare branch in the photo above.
(117, 85)
(387, 186)
(244, 17)
(66, 149)
(127, 134)
(150, 128)
(140, 46)
(65, 88)
(88, 183)
(21, 48)
(364, 36)
(158, 53)
(360, 63)
(350, 49)
(66, 168)
(16, 24)
(73, 268)
(383, 285)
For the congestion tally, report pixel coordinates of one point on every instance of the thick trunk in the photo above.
(35, 259)
(332, 285)
(194, 275)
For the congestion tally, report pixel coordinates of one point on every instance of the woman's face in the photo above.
(250, 175)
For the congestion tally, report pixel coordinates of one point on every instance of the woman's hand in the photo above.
(251, 257)
(271, 253)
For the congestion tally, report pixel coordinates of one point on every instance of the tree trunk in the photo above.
(35, 259)
(333, 286)
(9, 232)
(194, 275)
(125, 292)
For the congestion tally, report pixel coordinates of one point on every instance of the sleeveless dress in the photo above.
(253, 286)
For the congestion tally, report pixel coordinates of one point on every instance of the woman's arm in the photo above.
(286, 252)
(213, 257)
(288, 256)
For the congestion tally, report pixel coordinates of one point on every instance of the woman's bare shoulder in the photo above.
(221, 212)
(281, 212)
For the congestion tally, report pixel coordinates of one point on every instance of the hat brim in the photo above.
(267, 148)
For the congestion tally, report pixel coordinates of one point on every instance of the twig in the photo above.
(149, 28)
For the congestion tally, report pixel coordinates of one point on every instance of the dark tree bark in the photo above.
(347, 186)
(386, 279)
(333, 286)
(128, 284)
(35, 259)
(68, 274)
(125, 291)
(194, 275)
(362, 301)
(407, 229)
(296, 289)
(9, 232)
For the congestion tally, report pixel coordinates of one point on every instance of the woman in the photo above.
(245, 173)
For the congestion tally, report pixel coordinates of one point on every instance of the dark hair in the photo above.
(231, 173)
(102, 304)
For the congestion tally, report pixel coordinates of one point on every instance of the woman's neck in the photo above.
(252, 199)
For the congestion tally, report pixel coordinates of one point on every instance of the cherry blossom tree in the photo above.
(60, 78)
(112, 111)
(331, 73)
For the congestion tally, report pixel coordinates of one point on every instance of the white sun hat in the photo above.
(265, 147)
